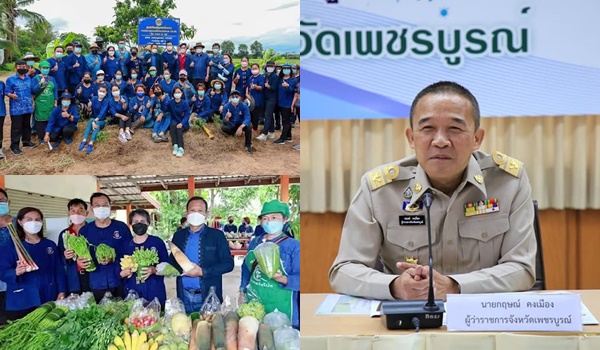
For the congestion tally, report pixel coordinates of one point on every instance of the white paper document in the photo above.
(337, 304)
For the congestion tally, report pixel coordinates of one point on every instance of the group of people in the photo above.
(142, 88)
(61, 272)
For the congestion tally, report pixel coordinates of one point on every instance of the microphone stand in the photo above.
(409, 314)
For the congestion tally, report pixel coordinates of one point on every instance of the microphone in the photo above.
(408, 314)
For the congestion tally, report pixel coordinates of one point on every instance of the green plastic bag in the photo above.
(268, 258)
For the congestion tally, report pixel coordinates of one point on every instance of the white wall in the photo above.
(65, 186)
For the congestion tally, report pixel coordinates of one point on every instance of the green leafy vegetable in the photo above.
(166, 269)
(253, 308)
(80, 246)
(144, 258)
(105, 253)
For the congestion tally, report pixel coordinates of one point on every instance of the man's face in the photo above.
(272, 217)
(77, 209)
(197, 207)
(101, 201)
(443, 136)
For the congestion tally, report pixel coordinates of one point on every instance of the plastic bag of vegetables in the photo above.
(254, 309)
(167, 270)
(144, 258)
(211, 306)
(172, 307)
(287, 338)
(105, 253)
(267, 255)
(145, 318)
(277, 319)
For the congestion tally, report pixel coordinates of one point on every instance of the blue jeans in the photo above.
(88, 129)
(192, 302)
(270, 105)
(162, 126)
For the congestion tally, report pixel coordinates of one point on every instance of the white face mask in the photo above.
(270, 69)
(116, 93)
(177, 95)
(102, 213)
(244, 64)
(154, 50)
(101, 94)
(196, 219)
(32, 227)
(111, 53)
(255, 71)
(169, 48)
(77, 219)
(198, 50)
(100, 77)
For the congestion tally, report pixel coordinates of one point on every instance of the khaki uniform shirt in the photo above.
(484, 253)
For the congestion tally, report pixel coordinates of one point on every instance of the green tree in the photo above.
(127, 12)
(227, 46)
(242, 50)
(257, 49)
(11, 10)
(34, 38)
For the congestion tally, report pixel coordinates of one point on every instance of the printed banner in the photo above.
(369, 58)
(158, 31)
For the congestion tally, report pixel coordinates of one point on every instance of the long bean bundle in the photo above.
(21, 251)
(80, 246)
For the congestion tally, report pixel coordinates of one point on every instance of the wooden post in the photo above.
(285, 188)
(191, 186)
(2, 182)
(97, 185)
(128, 210)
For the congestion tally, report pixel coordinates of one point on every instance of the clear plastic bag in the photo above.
(277, 320)
(145, 318)
(107, 298)
(287, 338)
(172, 307)
(132, 295)
(267, 255)
(251, 295)
(211, 305)
(227, 306)
(167, 270)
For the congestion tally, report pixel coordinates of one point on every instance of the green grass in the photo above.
(8, 67)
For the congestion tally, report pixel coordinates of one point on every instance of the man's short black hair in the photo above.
(3, 191)
(97, 195)
(77, 201)
(448, 87)
(20, 63)
(196, 198)
(141, 212)
(183, 220)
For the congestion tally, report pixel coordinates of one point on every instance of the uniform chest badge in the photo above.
(50, 251)
(412, 208)
(408, 193)
(116, 235)
(411, 260)
(153, 249)
(482, 207)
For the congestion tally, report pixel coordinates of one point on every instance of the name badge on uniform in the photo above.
(482, 207)
(412, 208)
(412, 220)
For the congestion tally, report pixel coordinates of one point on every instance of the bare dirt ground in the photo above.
(224, 155)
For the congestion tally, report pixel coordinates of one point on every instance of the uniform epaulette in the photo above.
(508, 164)
(386, 174)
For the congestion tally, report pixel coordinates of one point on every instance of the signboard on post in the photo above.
(158, 31)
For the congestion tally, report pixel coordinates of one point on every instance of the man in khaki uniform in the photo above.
(481, 217)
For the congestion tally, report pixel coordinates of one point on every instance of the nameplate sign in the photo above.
(514, 312)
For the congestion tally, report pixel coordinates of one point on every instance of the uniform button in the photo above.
(450, 242)
(484, 234)
(411, 243)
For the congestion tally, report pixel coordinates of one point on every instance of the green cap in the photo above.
(44, 64)
(275, 206)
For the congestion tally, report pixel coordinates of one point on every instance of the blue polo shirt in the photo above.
(192, 251)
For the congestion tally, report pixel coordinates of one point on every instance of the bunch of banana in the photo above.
(128, 263)
(135, 341)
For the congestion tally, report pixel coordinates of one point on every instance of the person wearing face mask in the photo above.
(154, 59)
(218, 96)
(285, 97)
(186, 87)
(199, 68)
(153, 286)
(104, 230)
(132, 83)
(43, 87)
(139, 109)
(94, 60)
(28, 290)
(201, 105)
(227, 72)
(111, 64)
(77, 278)
(58, 69)
(119, 112)
(162, 115)
(215, 63)
(271, 95)
(69, 48)
(83, 93)
(100, 42)
(208, 250)
(180, 116)
(62, 123)
(169, 58)
(100, 81)
(255, 88)
(120, 81)
(76, 67)
(123, 55)
(152, 79)
(230, 227)
(99, 108)
(242, 77)
(166, 83)
(245, 227)
(5, 220)
(237, 120)
(282, 291)
(18, 90)
(183, 62)
(134, 63)
(30, 59)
